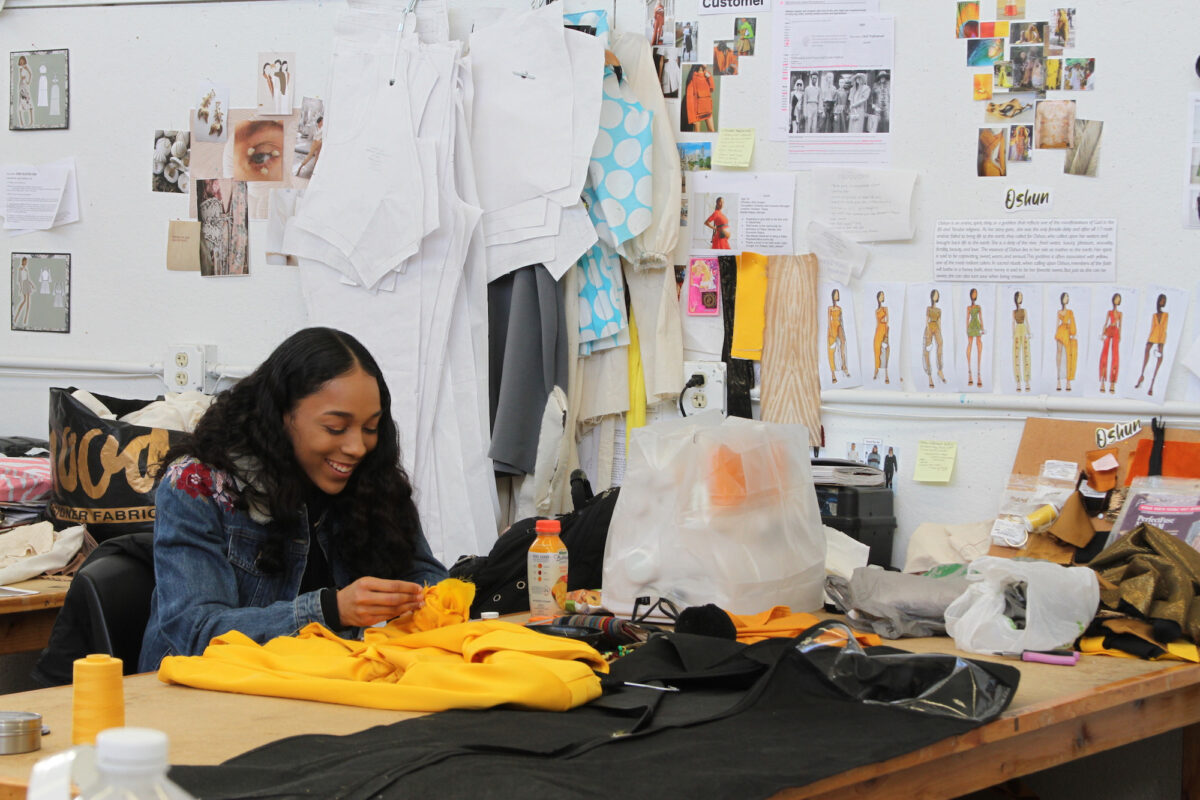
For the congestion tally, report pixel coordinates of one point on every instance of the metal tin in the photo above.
(20, 732)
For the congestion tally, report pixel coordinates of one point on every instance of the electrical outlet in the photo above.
(710, 394)
(184, 366)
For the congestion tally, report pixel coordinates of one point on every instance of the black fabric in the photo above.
(17, 446)
(739, 373)
(746, 723)
(499, 577)
(72, 636)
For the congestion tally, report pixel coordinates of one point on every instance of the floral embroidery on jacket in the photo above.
(198, 480)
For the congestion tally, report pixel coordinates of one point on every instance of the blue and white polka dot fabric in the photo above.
(620, 185)
(597, 19)
(601, 297)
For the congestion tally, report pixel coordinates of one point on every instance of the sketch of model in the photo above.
(933, 337)
(1157, 338)
(975, 334)
(24, 93)
(1110, 349)
(1021, 335)
(25, 287)
(835, 337)
(43, 88)
(1067, 349)
(266, 73)
(60, 295)
(44, 278)
(55, 98)
(881, 346)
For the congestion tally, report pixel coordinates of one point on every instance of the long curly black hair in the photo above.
(380, 522)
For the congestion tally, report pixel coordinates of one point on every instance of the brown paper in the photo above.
(183, 245)
(1073, 525)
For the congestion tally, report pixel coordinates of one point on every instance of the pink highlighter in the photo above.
(1066, 658)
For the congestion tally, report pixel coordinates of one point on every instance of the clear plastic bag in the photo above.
(720, 511)
(940, 684)
(1060, 603)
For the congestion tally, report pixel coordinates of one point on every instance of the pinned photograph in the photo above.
(840, 101)
(38, 96)
(224, 243)
(1060, 31)
(1020, 143)
(276, 83)
(687, 33)
(671, 76)
(1078, 74)
(987, 30)
(1194, 169)
(1083, 157)
(259, 150)
(41, 292)
(208, 120)
(1010, 9)
(703, 286)
(695, 156)
(1053, 74)
(992, 161)
(725, 58)
(1028, 67)
(1027, 33)
(1054, 124)
(984, 52)
(983, 86)
(966, 23)
(744, 29)
(660, 18)
(701, 91)
(171, 157)
(718, 231)
(1012, 108)
(310, 137)
(1002, 76)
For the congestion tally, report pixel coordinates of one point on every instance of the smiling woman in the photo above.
(286, 506)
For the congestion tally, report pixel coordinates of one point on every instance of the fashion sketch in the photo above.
(1066, 351)
(975, 333)
(1156, 343)
(880, 345)
(1021, 334)
(836, 337)
(222, 212)
(880, 314)
(1110, 346)
(932, 338)
(23, 290)
(24, 93)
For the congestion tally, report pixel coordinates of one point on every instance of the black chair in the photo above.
(116, 591)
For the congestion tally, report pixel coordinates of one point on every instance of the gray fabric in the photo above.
(527, 357)
(895, 604)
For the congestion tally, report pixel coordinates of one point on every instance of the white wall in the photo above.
(133, 69)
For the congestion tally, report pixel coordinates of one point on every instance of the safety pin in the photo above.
(412, 5)
(525, 75)
(655, 688)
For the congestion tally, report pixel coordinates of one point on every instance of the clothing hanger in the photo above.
(410, 8)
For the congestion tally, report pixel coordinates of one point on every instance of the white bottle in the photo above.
(131, 764)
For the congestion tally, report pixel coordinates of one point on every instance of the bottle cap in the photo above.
(547, 526)
(490, 615)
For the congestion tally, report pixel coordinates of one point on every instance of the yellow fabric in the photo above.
(749, 307)
(469, 665)
(1158, 328)
(1178, 650)
(447, 603)
(635, 417)
(780, 621)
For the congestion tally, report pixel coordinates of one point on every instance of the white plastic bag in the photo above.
(1060, 603)
(720, 511)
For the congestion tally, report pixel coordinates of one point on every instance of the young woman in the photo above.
(718, 223)
(699, 102)
(286, 506)
(1157, 338)
(1067, 347)
(24, 93)
(859, 95)
(1110, 347)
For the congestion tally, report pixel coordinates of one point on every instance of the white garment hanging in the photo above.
(43, 98)
(55, 105)
(587, 75)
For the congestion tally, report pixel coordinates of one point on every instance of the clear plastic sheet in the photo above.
(938, 684)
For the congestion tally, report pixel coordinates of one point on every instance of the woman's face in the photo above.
(1064, 298)
(258, 151)
(974, 295)
(334, 428)
(879, 298)
(720, 203)
(836, 295)
(934, 296)
(1116, 300)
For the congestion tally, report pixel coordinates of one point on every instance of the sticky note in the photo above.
(935, 461)
(734, 147)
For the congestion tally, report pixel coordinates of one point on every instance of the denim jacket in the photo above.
(207, 573)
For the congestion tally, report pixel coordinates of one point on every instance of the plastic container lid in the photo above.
(490, 615)
(131, 750)
(547, 526)
(20, 732)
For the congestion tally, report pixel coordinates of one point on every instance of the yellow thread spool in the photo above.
(1041, 518)
(99, 697)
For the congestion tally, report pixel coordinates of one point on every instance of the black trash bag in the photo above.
(939, 684)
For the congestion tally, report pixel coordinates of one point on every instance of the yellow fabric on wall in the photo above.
(635, 417)
(749, 307)
(477, 664)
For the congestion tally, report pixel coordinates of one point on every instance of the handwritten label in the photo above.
(734, 147)
(935, 461)
(1027, 198)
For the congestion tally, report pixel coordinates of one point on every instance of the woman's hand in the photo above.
(370, 600)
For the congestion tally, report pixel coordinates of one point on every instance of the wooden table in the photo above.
(1059, 714)
(26, 619)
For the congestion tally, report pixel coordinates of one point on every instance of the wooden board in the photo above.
(26, 620)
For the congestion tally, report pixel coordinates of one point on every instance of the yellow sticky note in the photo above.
(734, 147)
(935, 461)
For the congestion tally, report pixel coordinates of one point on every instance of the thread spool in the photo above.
(1041, 518)
(99, 697)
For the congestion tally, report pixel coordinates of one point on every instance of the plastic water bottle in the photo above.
(125, 764)
(547, 562)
